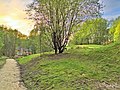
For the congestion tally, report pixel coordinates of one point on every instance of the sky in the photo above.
(12, 13)
(111, 9)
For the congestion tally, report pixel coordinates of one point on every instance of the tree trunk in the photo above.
(61, 49)
(55, 42)
(55, 50)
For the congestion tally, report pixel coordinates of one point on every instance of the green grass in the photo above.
(2, 61)
(24, 60)
(80, 68)
(84, 46)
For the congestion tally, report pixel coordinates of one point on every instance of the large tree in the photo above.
(58, 17)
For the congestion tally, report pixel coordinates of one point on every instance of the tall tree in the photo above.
(60, 16)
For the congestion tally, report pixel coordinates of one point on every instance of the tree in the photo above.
(40, 41)
(9, 39)
(92, 31)
(1, 38)
(58, 17)
(115, 29)
(117, 33)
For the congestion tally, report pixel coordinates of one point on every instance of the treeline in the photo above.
(40, 41)
(12, 40)
(93, 31)
(97, 31)
(9, 40)
(59, 23)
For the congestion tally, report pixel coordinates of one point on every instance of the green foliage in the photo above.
(9, 40)
(84, 67)
(40, 42)
(1, 37)
(1, 42)
(2, 61)
(27, 59)
(92, 31)
(115, 29)
(58, 17)
(117, 33)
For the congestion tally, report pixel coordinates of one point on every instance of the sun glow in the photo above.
(22, 25)
(12, 15)
(11, 22)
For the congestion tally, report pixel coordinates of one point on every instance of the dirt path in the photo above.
(10, 76)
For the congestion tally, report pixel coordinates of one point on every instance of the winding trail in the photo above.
(10, 76)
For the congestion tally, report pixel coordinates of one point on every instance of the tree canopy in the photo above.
(93, 31)
(115, 29)
(9, 40)
(58, 17)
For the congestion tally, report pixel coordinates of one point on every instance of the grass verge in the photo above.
(26, 59)
(2, 61)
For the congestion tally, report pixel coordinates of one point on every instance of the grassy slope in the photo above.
(26, 59)
(80, 68)
(2, 61)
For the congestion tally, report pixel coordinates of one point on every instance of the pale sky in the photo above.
(111, 9)
(13, 15)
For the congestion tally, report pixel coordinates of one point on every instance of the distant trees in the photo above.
(117, 33)
(97, 31)
(1, 37)
(93, 31)
(115, 29)
(58, 17)
(9, 40)
(39, 41)
(12, 40)
(6, 39)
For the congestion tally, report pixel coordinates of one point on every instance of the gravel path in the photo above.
(10, 76)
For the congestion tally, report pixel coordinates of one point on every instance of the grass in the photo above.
(2, 61)
(26, 59)
(79, 68)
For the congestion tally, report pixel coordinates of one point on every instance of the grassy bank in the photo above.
(79, 68)
(2, 61)
(27, 59)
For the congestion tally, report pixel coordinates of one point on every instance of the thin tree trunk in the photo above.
(55, 50)
(61, 49)
(55, 42)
